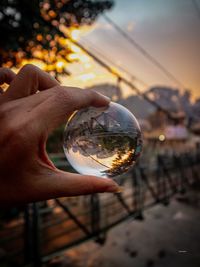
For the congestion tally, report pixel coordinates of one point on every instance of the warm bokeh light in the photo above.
(161, 137)
(52, 61)
(79, 57)
(60, 65)
(75, 34)
(74, 48)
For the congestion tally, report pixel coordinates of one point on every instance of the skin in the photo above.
(30, 109)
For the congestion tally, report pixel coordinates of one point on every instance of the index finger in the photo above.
(28, 81)
(63, 102)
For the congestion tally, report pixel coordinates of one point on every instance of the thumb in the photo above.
(57, 183)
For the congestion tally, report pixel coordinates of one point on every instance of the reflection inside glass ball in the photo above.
(102, 141)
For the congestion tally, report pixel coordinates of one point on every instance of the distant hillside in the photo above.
(138, 106)
(169, 98)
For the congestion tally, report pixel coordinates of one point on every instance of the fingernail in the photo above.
(114, 188)
(105, 97)
(120, 189)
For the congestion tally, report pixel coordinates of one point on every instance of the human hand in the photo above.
(26, 118)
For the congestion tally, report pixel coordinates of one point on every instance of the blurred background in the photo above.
(143, 54)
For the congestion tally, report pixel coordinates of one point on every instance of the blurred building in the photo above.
(177, 133)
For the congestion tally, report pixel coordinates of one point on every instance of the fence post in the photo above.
(36, 236)
(96, 219)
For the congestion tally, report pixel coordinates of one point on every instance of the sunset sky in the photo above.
(168, 30)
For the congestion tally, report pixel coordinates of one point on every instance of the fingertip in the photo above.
(113, 188)
(107, 185)
(105, 98)
(101, 100)
(72, 184)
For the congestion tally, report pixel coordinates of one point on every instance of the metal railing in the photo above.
(43, 230)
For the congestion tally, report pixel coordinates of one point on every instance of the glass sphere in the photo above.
(102, 141)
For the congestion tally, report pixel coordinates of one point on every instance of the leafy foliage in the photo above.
(31, 29)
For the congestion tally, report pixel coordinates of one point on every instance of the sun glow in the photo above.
(86, 77)
(79, 57)
(75, 48)
(82, 68)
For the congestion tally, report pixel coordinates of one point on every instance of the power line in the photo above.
(143, 51)
(196, 7)
(98, 52)
(119, 76)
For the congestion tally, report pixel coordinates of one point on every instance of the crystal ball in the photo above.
(104, 141)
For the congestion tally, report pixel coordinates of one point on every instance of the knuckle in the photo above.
(62, 94)
(29, 68)
(72, 97)
(91, 93)
(5, 75)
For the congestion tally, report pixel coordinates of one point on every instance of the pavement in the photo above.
(169, 236)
